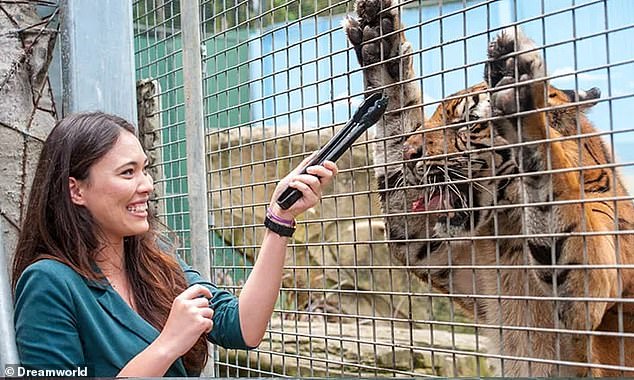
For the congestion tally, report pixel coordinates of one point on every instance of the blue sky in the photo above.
(310, 73)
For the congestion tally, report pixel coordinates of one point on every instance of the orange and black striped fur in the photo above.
(543, 276)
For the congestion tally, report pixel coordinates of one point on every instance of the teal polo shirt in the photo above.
(63, 320)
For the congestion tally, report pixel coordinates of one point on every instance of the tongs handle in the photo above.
(368, 113)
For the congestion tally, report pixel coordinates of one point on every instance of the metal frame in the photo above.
(98, 66)
(8, 349)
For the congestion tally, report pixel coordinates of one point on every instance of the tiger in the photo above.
(515, 211)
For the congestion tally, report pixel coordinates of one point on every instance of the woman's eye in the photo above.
(128, 172)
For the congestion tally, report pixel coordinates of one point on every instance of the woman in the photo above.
(94, 283)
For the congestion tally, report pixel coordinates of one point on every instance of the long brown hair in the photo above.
(60, 230)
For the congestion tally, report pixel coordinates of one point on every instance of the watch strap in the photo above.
(279, 229)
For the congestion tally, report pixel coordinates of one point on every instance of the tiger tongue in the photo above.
(419, 204)
(432, 204)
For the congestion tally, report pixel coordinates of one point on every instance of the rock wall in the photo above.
(149, 123)
(27, 112)
(379, 349)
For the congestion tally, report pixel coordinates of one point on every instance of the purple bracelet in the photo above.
(276, 218)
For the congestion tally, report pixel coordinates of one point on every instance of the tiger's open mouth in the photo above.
(447, 203)
(436, 202)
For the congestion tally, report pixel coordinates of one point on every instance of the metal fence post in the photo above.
(8, 350)
(196, 173)
(98, 57)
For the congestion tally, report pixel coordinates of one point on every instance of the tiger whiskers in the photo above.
(475, 183)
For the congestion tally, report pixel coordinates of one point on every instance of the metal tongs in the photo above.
(368, 113)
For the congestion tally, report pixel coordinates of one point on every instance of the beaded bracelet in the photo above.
(276, 218)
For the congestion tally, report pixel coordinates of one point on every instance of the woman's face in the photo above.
(117, 190)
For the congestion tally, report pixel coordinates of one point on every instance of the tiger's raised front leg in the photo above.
(386, 59)
(554, 220)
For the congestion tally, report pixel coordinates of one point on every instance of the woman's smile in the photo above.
(139, 208)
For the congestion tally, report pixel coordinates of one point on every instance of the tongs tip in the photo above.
(374, 112)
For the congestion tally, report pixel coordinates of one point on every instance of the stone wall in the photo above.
(302, 349)
(149, 123)
(27, 112)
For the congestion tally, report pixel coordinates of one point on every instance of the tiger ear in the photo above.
(585, 95)
(75, 191)
(558, 97)
(570, 96)
(591, 94)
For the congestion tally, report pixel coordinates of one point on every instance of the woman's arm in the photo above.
(261, 289)
(154, 361)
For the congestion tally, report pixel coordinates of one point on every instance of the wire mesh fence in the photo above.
(483, 226)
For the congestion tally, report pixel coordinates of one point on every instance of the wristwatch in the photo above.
(279, 229)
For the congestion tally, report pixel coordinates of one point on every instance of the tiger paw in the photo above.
(505, 69)
(373, 36)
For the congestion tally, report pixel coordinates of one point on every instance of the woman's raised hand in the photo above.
(310, 185)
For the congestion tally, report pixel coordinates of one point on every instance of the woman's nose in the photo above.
(147, 183)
